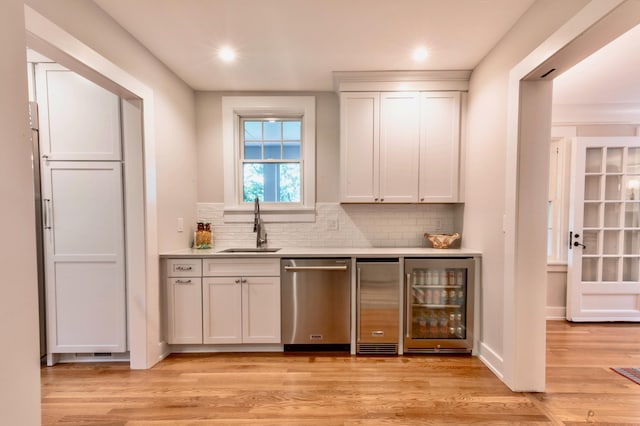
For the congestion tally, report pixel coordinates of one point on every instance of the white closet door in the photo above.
(84, 252)
(79, 120)
(603, 281)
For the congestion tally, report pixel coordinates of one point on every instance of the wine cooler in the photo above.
(439, 305)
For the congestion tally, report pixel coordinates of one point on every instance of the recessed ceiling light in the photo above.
(419, 54)
(227, 54)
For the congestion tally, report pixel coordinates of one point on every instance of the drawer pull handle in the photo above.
(184, 268)
(183, 281)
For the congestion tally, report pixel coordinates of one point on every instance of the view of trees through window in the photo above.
(271, 167)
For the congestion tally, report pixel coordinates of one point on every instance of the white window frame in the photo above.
(234, 107)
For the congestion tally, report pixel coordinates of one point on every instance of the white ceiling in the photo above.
(296, 44)
(610, 75)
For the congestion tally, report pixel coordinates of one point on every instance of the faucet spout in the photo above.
(258, 226)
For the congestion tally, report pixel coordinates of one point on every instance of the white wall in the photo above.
(174, 109)
(20, 357)
(486, 173)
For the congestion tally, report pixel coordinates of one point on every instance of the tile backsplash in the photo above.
(358, 225)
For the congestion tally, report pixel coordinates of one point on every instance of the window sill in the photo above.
(270, 215)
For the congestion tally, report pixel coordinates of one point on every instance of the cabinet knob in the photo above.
(421, 199)
(381, 199)
(375, 199)
(237, 281)
(243, 280)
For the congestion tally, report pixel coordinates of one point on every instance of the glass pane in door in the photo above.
(613, 186)
(591, 215)
(632, 215)
(630, 269)
(633, 161)
(614, 160)
(611, 215)
(593, 162)
(592, 188)
(610, 269)
(438, 303)
(589, 269)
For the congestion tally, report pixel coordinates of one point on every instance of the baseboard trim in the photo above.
(492, 360)
(556, 312)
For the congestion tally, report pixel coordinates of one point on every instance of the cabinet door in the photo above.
(184, 303)
(84, 256)
(261, 310)
(399, 146)
(79, 120)
(359, 147)
(222, 310)
(439, 146)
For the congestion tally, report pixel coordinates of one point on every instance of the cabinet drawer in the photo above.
(241, 267)
(184, 267)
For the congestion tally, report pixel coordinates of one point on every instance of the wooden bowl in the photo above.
(442, 241)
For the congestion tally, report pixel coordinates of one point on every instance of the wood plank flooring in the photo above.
(337, 389)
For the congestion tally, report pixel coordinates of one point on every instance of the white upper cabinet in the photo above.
(439, 147)
(85, 126)
(400, 147)
(359, 147)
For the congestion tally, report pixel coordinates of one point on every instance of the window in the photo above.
(269, 153)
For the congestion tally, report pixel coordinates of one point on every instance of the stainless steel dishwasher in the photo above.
(316, 303)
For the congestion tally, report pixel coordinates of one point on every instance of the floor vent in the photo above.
(377, 348)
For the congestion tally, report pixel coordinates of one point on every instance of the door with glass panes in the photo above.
(604, 240)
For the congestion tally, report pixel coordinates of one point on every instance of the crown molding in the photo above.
(613, 113)
(364, 81)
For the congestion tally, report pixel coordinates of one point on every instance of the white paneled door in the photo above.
(82, 192)
(84, 256)
(604, 244)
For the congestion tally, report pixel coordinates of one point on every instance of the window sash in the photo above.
(262, 141)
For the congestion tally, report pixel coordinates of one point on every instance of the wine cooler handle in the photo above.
(408, 306)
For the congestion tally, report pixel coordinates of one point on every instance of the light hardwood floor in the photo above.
(303, 389)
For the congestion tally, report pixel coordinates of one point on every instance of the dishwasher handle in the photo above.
(315, 268)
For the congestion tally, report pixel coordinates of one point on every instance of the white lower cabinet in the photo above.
(241, 301)
(223, 301)
(241, 309)
(184, 301)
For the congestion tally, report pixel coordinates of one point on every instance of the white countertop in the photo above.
(329, 252)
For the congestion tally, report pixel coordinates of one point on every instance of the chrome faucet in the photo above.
(258, 226)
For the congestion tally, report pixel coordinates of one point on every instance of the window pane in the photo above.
(272, 130)
(252, 181)
(289, 183)
(272, 182)
(272, 151)
(253, 130)
(291, 150)
(291, 130)
(253, 150)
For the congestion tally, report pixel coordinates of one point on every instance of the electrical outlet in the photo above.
(332, 224)
(180, 224)
(438, 225)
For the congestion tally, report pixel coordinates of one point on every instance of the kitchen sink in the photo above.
(250, 250)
